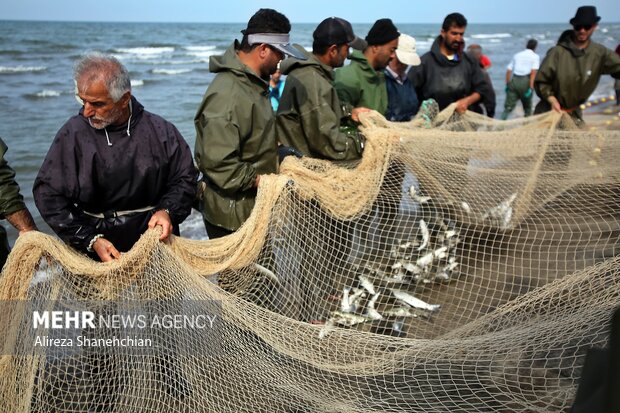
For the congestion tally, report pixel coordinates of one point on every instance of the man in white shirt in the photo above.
(520, 76)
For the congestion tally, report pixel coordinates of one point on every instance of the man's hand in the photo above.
(105, 250)
(162, 219)
(22, 221)
(555, 104)
(355, 113)
(462, 105)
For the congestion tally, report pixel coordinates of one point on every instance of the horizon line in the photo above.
(223, 22)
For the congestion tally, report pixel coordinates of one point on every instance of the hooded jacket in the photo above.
(571, 74)
(235, 140)
(10, 198)
(445, 80)
(150, 167)
(310, 114)
(359, 85)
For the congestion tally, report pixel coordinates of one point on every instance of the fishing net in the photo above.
(464, 264)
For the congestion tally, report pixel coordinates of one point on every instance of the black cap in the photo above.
(586, 15)
(382, 32)
(335, 30)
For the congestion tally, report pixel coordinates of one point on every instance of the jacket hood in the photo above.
(443, 60)
(290, 64)
(566, 41)
(136, 113)
(231, 63)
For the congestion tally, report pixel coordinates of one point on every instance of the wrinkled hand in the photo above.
(461, 105)
(162, 219)
(355, 113)
(105, 250)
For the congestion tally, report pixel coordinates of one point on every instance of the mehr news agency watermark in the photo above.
(62, 327)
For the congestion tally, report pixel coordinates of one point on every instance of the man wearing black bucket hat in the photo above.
(235, 124)
(571, 70)
(310, 114)
(362, 83)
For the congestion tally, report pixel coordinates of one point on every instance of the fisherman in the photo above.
(447, 74)
(12, 207)
(403, 101)
(114, 169)
(520, 75)
(486, 105)
(571, 70)
(362, 82)
(235, 124)
(310, 118)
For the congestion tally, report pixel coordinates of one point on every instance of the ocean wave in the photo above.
(137, 82)
(491, 36)
(45, 93)
(200, 48)
(205, 54)
(170, 71)
(21, 69)
(145, 52)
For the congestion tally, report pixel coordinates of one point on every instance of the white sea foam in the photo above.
(491, 36)
(137, 82)
(21, 69)
(200, 48)
(146, 52)
(170, 71)
(205, 54)
(47, 93)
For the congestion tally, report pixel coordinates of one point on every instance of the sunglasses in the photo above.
(585, 27)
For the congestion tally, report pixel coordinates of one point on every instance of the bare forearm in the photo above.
(532, 77)
(22, 220)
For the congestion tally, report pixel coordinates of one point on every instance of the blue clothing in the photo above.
(403, 101)
(275, 94)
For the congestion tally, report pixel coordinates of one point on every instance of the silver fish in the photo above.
(401, 312)
(327, 328)
(414, 302)
(412, 268)
(367, 284)
(501, 214)
(427, 259)
(371, 312)
(267, 272)
(465, 207)
(418, 198)
(425, 235)
(347, 319)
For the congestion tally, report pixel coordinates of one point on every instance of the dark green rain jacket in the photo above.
(359, 85)
(310, 113)
(235, 140)
(571, 74)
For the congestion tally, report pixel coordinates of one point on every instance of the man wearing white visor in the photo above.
(403, 102)
(235, 125)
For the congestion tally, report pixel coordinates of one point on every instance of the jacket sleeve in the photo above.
(543, 83)
(347, 88)
(56, 190)
(181, 185)
(611, 64)
(218, 146)
(10, 199)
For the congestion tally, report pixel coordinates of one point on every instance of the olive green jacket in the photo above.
(359, 85)
(310, 114)
(10, 199)
(571, 74)
(235, 140)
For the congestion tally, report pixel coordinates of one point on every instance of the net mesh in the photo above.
(464, 264)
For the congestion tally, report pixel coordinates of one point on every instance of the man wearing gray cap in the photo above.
(310, 114)
(235, 125)
(403, 102)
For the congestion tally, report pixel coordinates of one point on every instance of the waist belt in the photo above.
(114, 214)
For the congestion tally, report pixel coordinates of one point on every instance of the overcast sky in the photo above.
(311, 11)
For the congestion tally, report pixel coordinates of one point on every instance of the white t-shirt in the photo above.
(524, 62)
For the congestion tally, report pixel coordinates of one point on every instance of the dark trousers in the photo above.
(213, 231)
(517, 87)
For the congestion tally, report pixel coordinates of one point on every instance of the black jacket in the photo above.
(152, 166)
(445, 80)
